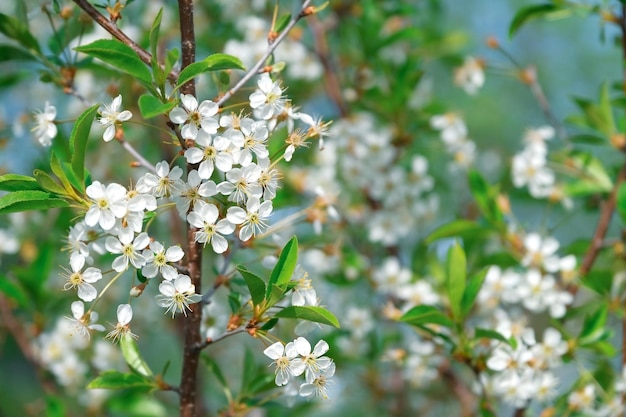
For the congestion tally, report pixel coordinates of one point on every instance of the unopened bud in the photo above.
(528, 75)
(504, 203)
(66, 12)
(618, 140)
(135, 164)
(492, 42)
(271, 36)
(137, 290)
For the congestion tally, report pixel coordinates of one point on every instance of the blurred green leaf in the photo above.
(588, 139)
(282, 22)
(474, 284)
(485, 197)
(55, 407)
(255, 284)
(11, 53)
(150, 106)
(456, 277)
(119, 55)
(458, 228)
(620, 198)
(425, 314)
(120, 380)
(590, 176)
(13, 291)
(29, 200)
(213, 62)
(286, 264)
(78, 142)
(133, 357)
(310, 313)
(159, 73)
(480, 333)
(18, 31)
(593, 327)
(212, 365)
(16, 182)
(525, 14)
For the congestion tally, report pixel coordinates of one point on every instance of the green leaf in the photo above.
(78, 141)
(13, 291)
(17, 30)
(480, 333)
(588, 139)
(425, 314)
(120, 380)
(213, 62)
(48, 183)
(282, 22)
(255, 284)
(456, 277)
(29, 200)
(15, 182)
(55, 166)
(593, 327)
(600, 281)
(276, 294)
(525, 14)
(159, 74)
(55, 407)
(621, 202)
(591, 176)
(472, 289)
(461, 228)
(120, 56)
(133, 358)
(283, 270)
(309, 313)
(485, 197)
(150, 106)
(11, 53)
(171, 59)
(215, 369)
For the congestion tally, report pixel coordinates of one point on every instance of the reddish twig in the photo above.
(118, 34)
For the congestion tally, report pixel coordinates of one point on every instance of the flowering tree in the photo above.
(189, 222)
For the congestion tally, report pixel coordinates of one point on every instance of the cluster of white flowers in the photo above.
(530, 167)
(296, 358)
(470, 76)
(65, 349)
(453, 133)
(361, 161)
(538, 284)
(231, 191)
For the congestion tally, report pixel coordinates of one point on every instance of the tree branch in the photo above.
(117, 33)
(261, 62)
(192, 337)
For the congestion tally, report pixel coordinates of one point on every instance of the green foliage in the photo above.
(119, 55)
(459, 228)
(213, 62)
(150, 106)
(29, 200)
(78, 143)
(133, 357)
(310, 313)
(255, 284)
(284, 268)
(120, 380)
(18, 31)
(456, 276)
(15, 182)
(424, 314)
(486, 198)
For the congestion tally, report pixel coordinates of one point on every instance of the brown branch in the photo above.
(603, 225)
(118, 34)
(191, 355)
(333, 87)
(467, 399)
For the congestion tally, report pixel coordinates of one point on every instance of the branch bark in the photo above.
(192, 338)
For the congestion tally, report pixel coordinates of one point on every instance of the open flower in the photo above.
(205, 218)
(194, 117)
(158, 260)
(82, 280)
(252, 220)
(111, 116)
(317, 385)
(129, 250)
(108, 204)
(45, 130)
(268, 98)
(313, 362)
(178, 295)
(122, 329)
(283, 357)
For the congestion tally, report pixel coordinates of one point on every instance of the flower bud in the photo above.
(137, 290)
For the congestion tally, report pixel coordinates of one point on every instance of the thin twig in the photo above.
(261, 62)
(118, 34)
(131, 150)
(333, 87)
(219, 338)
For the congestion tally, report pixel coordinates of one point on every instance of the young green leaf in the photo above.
(132, 356)
(18, 31)
(29, 200)
(525, 14)
(480, 333)
(593, 326)
(120, 380)
(14, 291)
(461, 228)
(472, 289)
(48, 183)
(255, 284)
(212, 365)
(283, 270)
(16, 182)
(621, 202)
(309, 313)
(119, 55)
(213, 62)
(456, 278)
(11, 53)
(78, 142)
(425, 314)
(150, 106)
(159, 74)
(282, 22)
(485, 198)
